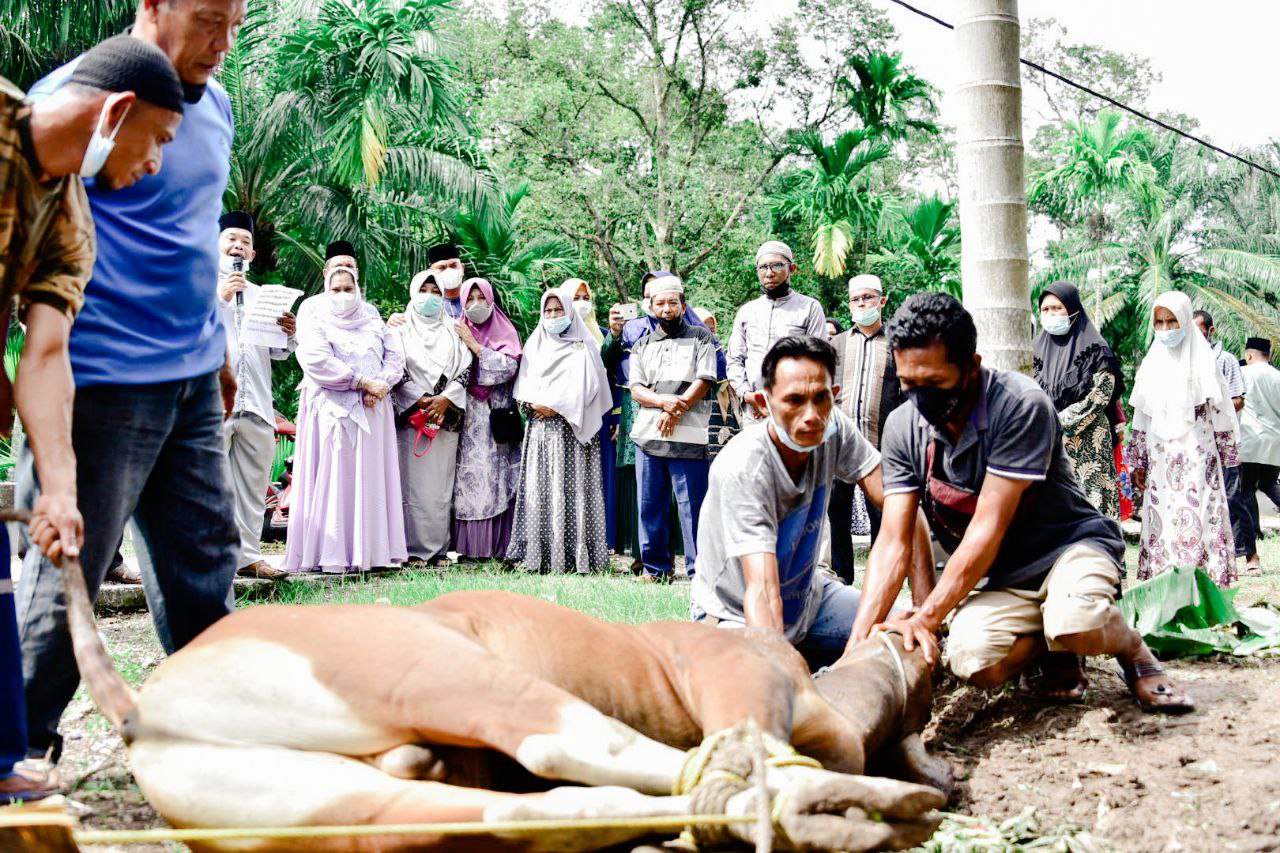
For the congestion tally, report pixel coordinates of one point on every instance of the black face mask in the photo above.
(778, 292)
(672, 327)
(939, 405)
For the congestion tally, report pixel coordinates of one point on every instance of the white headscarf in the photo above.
(1173, 381)
(564, 372)
(432, 347)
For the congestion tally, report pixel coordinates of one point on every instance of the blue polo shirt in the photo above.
(150, 312)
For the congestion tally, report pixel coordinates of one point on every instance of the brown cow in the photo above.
(462, 709)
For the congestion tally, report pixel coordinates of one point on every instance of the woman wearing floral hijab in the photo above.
(562, 386)
(345, 514)
(1081, 374)
(429, 403)
(484, 491)
(1184, 434)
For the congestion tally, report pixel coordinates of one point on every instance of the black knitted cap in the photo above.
(236, 219)
(127, 64)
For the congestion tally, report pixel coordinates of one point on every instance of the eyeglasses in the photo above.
(776, 266)
(865, 299)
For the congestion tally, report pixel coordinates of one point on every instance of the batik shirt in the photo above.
(46, 232)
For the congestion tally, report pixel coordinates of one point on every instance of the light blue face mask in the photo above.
(428, 304)
(1055, 324)
(790, 442)
(556, 325)
(1171, 337)
(866, 316)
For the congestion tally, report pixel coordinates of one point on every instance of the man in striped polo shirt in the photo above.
(672, 369)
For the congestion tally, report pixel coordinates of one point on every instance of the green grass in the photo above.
(612, 597)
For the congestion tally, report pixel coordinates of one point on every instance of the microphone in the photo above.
(238, 265)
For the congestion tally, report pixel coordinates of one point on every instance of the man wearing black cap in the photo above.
(339, 253)
(124, 105)
(250, 431)
(149, 358)
(1259, 439)
(446, 263)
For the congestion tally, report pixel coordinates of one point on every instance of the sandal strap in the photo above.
(1146, 670)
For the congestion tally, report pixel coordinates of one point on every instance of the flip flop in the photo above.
(1178, 702)
(1057, 677)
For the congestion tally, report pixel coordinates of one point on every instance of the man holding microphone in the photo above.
(250, 430)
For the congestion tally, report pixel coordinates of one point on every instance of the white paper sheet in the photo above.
(259, 326)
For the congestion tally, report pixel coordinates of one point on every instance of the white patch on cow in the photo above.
(594, 749)
(584, 804)
(253, 692)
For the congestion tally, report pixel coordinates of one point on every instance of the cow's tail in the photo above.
(111, 693)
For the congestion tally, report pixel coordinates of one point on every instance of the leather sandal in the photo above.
(1172, 699)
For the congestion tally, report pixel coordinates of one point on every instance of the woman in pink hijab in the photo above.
(488, 468)
(346, 511)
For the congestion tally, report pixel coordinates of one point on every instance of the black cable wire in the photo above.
(1152, 119)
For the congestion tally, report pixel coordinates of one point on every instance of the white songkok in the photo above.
(665, 284)
(774, 247)
(866, 281)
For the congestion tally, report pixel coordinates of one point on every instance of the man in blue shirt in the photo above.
(146, 354)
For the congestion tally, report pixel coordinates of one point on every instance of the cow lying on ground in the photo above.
(470, 707)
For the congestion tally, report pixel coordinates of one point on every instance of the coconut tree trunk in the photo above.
(993, 201)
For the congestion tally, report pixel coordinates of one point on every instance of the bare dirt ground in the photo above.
(1209, 781)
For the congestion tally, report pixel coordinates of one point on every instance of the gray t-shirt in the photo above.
(1014, 432)
(753, 507)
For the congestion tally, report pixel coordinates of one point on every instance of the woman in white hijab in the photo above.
(345, 482)
(429, 405)
(564, 390)
(1184, 434)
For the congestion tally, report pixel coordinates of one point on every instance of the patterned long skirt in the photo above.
(559, 520)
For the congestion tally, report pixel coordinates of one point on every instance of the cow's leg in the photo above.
(247, 786)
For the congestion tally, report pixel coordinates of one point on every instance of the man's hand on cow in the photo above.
(915, 631)
(288, 321)
(57, 527)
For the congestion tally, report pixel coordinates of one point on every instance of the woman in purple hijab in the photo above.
(488, 470)
(346, 511)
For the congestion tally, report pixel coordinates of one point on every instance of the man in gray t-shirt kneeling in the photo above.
(761, 522)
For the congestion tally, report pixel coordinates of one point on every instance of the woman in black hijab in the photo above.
(1078, 370)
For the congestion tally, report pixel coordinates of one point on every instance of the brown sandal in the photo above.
(1176, 699)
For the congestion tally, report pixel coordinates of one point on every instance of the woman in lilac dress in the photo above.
(346, 510)
(484, 485)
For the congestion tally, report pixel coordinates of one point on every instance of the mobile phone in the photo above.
(629, 311)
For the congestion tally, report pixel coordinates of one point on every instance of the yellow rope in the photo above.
(513, 827)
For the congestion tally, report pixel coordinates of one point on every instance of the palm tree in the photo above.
(347, 128)
(1096, 161)
(1167, 245)
(891, 101)
(832, 197)
(923, 246)
(37, 36)
(519, 267)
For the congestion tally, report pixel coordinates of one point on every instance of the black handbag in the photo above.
(506, 425)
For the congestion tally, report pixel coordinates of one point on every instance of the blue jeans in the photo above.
(827, 637)
(656, 476)
(154, 452)
(13, 713)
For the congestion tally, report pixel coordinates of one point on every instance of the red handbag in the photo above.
(418, 420)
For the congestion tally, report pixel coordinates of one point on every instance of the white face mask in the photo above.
(100, 145)
(867, 317)
(342, 301)
(479, 313)
(450, 279)
(583, 308)
(790, 442)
